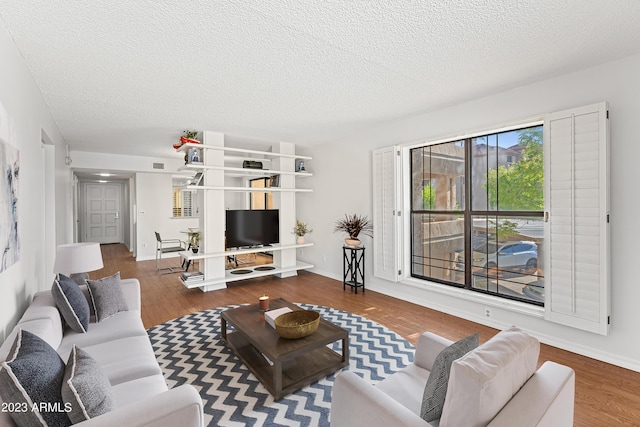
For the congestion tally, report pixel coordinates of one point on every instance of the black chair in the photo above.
(168, 246)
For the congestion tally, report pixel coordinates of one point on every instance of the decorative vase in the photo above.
(300, 240)
(352, 243)
(194, 250)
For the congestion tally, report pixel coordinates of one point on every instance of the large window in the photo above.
(477, 211)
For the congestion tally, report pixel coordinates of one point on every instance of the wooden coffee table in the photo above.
(282, 366)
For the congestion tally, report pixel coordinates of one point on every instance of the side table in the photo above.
(353, 267)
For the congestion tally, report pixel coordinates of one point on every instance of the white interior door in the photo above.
(102, 208)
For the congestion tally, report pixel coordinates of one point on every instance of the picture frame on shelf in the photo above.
(195, 156)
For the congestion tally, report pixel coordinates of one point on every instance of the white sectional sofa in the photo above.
(495, 385)
(121, 347)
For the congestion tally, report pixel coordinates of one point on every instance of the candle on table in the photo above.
(264, 302)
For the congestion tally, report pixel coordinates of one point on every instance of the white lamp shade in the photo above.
(78, 258)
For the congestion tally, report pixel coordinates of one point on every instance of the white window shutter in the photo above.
(385, 219)
(577, 276)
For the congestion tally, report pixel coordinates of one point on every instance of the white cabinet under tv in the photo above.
(218, 163)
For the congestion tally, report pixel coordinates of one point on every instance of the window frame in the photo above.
(468, 213)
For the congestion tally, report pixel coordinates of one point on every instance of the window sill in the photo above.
(487, 300)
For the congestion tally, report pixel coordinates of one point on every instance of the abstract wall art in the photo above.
(9, 239)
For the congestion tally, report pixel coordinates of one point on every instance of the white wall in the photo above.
(24, 118)
(154, 209)
(342, 184)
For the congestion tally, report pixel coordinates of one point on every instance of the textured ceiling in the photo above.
(129, 76)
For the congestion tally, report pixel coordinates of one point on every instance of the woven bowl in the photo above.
(297, 324)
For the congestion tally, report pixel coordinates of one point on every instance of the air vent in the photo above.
(158, 165)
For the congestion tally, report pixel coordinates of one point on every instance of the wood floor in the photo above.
(606, 395)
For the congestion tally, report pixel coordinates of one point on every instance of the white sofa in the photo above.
(121, 347)
(493, 385)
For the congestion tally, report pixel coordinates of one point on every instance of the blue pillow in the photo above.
(31, 378)
(71, 302)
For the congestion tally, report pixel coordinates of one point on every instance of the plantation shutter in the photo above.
(385, 219)
(577, 277)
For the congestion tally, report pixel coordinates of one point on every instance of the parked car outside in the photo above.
(522, 254)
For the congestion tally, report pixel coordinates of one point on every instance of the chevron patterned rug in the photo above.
(189, 350)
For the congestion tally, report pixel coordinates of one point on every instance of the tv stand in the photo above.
(218, 163)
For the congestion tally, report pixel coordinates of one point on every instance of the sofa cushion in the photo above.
(85, 388)
(406, 386)
(106, 296)
(125, 324)
(33, 376)
(436, 388)
(125, 359)
(139, 389)
(71, 302)
(485, 379)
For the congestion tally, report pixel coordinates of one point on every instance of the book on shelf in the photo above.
(196, 276)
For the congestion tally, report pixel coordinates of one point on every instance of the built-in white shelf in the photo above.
(250, 189)
(234, 171)
(267, 154)
(190, 256)
(230, 277)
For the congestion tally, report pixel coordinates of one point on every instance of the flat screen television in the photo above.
(252, 227)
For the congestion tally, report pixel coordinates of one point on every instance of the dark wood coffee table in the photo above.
(282, 366)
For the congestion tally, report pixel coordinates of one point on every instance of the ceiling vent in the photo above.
(158, 165)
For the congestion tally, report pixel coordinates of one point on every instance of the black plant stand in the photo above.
(353, 267)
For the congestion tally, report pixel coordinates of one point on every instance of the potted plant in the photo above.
(188, 137)
(194, 241)
(300, 230)
(354, 225)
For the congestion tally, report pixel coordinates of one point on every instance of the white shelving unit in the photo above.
(218, 163)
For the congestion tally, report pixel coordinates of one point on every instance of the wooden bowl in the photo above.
(297, 324)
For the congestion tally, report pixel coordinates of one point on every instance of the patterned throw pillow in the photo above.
(30, 381)
(436, 389)
(86, 388)
(106, 296)
(71, 302)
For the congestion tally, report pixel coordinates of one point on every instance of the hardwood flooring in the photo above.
(606, 395)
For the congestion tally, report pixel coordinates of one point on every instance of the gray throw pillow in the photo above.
(31, 380)
(86, 388)
(71, 302)
(106, 296)
(436, 389)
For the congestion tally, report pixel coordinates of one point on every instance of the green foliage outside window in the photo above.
(519, 187)
(428, 197)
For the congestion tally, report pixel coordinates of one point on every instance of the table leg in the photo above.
(223, 329)
(345, 349)
(277, 379)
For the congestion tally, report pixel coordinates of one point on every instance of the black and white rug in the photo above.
(189, 350)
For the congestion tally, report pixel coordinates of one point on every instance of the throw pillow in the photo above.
(107, 297)
(436, 389)
(86, 388)
(71, 302)
(79, 278)
(31, 380)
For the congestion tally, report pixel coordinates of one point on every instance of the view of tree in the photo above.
(520, 186)
(428, 197)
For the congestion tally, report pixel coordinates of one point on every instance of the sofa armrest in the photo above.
(429, 346)
(355, 402)
(546, 399)
(180, 406)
